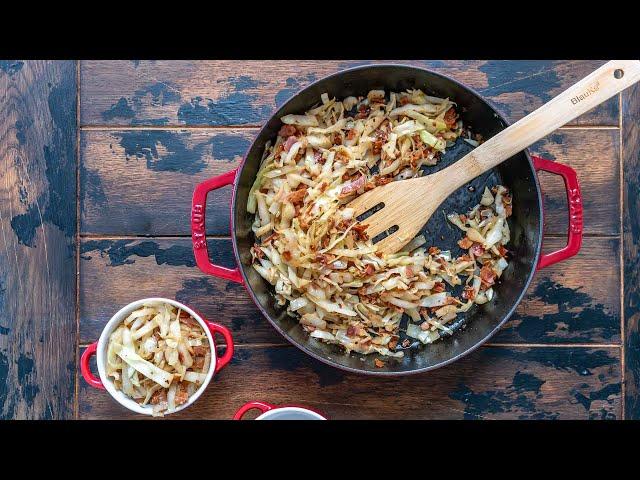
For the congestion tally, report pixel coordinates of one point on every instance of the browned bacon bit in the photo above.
(450, 301)
(465, 243)
(159, 396)
(423, 312)
(487, 275)
(502, 251)
(286, 131)
(336, 139)
(406, 342)
(379, 363)
(257, 251)
(363, 111)
(408, 271)
(360, 230)
(351, 331)
(463, 218)
(369, 269)
(477, 249)
(351, 133)
(297, 196)
(279, 150)
(288, 143)
(508, 210)
(464, 258)
(438, 287)
(317, 156)
(369, 186)
(434, 250)
(270, 238)
(181, 394)
(286, 255)
(198, 363)
(354, 186)
(469, 293)
(424, 326)
(321, 257)
(382, 181)
(392, 344)
(451, 117)
(376, 147)
(200, 350)
(325, 242)
(404, 100)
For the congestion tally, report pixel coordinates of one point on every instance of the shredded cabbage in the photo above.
(157, 355)
(322, 266)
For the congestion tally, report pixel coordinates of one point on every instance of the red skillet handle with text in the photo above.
(198, 227)
(262, 406)
(574, 201)
(89, 377)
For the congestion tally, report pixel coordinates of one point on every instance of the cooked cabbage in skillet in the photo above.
(317, 256)
(159, 355)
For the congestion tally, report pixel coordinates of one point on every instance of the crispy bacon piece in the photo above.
(351, 331)
(465, 243)
(297, 196)
(360, 231)
(286, 255)
(487, 276)
(181, 394)
(404, 100)
(392, 344)
(363, 111)
(287, 130)
(438, 287)
(434, 250)
(158, 396)
(200, 350)
(351, 133)
(503, 251)
(379, 363)
(463, 218)
(354, 186)
(257, 251)
(369, 269)
(477, 249)
(288, 143)
(451, 117)
(469, 293)
(382, 181)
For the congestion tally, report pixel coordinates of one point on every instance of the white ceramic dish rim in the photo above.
(101, 355)
(279, 410)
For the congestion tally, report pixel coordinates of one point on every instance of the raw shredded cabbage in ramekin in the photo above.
(159, 355)
(317, 257)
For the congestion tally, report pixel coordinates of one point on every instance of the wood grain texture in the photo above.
(37, 242)
(490, 383)
(215, 93)
(576, 301)
(631, 247)
(137, 182)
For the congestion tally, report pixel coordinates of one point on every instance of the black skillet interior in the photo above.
(516, 173)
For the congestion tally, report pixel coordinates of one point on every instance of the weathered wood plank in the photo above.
(490, 383)
(137, 182)
(37, 247)
(631, 247)
(216, 93)
(576, 301)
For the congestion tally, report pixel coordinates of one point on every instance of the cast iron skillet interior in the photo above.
(517, 173)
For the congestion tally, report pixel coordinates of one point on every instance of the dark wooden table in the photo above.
(98, 160)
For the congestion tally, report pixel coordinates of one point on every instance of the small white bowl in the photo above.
(99, 349)
(275, 412)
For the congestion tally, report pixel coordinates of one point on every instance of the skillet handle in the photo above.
(574, 201)
(198, 228)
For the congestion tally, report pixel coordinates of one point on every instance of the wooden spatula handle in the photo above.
(602, 84)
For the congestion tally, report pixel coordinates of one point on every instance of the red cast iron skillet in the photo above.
(518, 174)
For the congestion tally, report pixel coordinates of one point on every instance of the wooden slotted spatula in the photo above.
(410, 203)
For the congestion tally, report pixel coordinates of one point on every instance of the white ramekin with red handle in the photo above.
(99, 349)
(275, 412)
